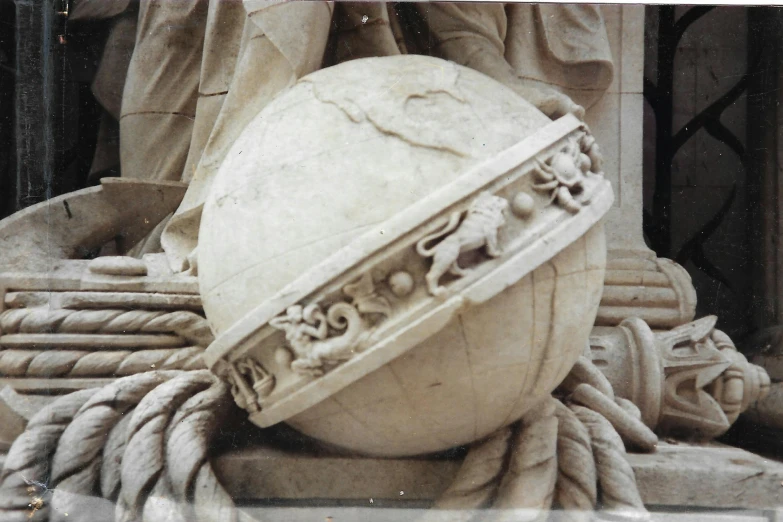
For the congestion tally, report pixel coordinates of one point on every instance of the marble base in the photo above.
(676, 477)
(680, 483)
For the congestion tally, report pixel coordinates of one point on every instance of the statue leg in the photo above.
(159, 99)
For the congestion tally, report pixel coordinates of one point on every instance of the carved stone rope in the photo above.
(615, 475)
(23, 487)
(143, 442)
(576, 490)
(475, 485)
(564, 450)
(188, 325)
(75, 363)
(78, 459)
(529, 480)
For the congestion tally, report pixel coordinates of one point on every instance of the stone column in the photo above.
(616, 123)
(637, 283)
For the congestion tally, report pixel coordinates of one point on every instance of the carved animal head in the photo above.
(489, 204)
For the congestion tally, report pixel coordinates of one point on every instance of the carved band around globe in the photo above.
(341, 321)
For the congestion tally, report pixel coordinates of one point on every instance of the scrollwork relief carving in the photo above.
(310, 333)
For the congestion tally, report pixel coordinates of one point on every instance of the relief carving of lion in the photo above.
(484, 218)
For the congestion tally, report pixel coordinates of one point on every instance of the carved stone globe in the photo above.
(400, 255)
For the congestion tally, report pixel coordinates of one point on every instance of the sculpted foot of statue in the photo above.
(487, 59)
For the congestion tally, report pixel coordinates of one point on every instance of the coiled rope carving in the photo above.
(142, 442)
(192, 327)
(188, 325)
(568, 454)
(76, 363)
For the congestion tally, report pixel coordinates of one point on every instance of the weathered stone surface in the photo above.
(769, 410)
(381, 514)
(676, 475)
(118, 266)
(711, 475)
(89, 342)
(15, 410)
(90, 300)
(501, 337)
(65, 227)
(270, 473)
(638, 284)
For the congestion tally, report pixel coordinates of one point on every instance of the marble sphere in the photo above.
(339, 152)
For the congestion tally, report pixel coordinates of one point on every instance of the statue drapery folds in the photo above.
(200, 69)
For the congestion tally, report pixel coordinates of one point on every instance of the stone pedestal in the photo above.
(675, 477)
(680, 482)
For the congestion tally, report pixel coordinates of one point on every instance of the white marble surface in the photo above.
(678, 475)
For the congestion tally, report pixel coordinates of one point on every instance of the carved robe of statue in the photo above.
(201, 69)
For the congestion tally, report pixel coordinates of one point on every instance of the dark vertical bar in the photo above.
(662, 198)
(763, 180)
(7, 82)
(34, 101)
